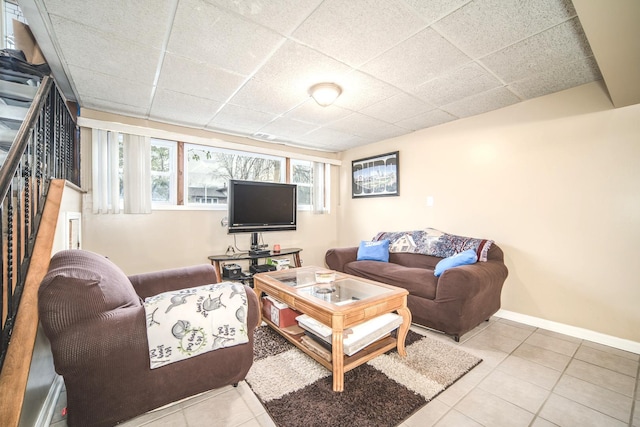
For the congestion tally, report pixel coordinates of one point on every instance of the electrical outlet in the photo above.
(430, 201)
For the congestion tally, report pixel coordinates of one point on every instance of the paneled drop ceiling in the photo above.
(243, 67)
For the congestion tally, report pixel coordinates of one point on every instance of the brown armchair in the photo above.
(93, 315)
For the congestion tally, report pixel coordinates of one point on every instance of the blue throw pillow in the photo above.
(462, 258)
(374, 251)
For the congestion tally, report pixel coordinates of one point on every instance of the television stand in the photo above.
(218, 260)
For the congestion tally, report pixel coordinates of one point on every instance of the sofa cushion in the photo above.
(374, 251)
(463, 258)
(414, 260)
(418, 281)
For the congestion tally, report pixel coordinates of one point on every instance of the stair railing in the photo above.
(46, 146)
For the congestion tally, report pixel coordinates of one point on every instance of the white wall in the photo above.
(555, 181)
(71, 203)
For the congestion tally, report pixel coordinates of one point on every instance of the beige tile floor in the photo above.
(528, 377)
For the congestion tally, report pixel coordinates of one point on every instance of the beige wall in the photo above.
(554, 181)
(166, 239)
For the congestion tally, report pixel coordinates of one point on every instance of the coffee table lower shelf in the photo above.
(349, 362)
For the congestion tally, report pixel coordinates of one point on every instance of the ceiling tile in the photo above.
(206, 33)
(286, 129)
(282, 16)
(267, 97)
(360, 90)
(419, 59)
(94, 50)
(143, 21)
(296, 68)
(311, 112)
(481, 103)
(114, 107)
(96, 85)
(425, 120)
(184, 75)
(564, 43)
(433, 10)
(365, 126)
(500, 23)
(236, 119)
(468, 80)
(373, 26)
(397, 108)
(183, 109)
(330, 140)
(557, 78)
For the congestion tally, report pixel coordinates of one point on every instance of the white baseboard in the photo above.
(573, 331)
(49, 406)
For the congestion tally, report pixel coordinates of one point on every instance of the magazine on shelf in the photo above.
(316, 348)
(325, 343)
(362, 335)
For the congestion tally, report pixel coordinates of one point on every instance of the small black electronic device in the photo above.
(231, 271)
(259, 252)
(261, 268)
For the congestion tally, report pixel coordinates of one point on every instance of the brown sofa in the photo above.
(454, 303)
(93, 316)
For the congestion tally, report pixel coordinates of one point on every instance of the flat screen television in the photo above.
(256, 206)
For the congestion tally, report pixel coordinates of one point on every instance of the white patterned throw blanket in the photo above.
(434, 242)
(192, 321)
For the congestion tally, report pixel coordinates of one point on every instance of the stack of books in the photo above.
(355, 338)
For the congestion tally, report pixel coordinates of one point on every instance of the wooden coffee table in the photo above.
(353, 301)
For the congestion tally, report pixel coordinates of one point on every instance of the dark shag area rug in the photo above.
(297, 391)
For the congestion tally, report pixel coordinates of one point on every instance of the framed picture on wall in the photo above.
(376, 176)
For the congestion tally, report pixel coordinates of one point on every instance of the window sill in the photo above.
(188, 208)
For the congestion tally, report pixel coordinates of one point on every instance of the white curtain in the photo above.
(105, 182)
(136, 179)
(319, 205)
(137, 174)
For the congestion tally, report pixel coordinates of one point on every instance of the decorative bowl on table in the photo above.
(325, 276)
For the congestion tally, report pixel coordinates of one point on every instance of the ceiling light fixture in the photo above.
(325, 93)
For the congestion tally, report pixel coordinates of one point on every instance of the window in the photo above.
(204, 183)
(312, 181)
(163, 171)
(302, 175)
(11, 11)
(208, 171)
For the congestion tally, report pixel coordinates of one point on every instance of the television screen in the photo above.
(261, 206)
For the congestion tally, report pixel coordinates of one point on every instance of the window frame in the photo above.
(172, 173)
(311, 185)
(222, 206)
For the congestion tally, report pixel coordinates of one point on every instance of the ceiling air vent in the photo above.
(266, 136)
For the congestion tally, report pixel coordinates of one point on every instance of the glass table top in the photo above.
(342, 290)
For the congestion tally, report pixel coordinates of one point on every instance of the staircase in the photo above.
(39, 151)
